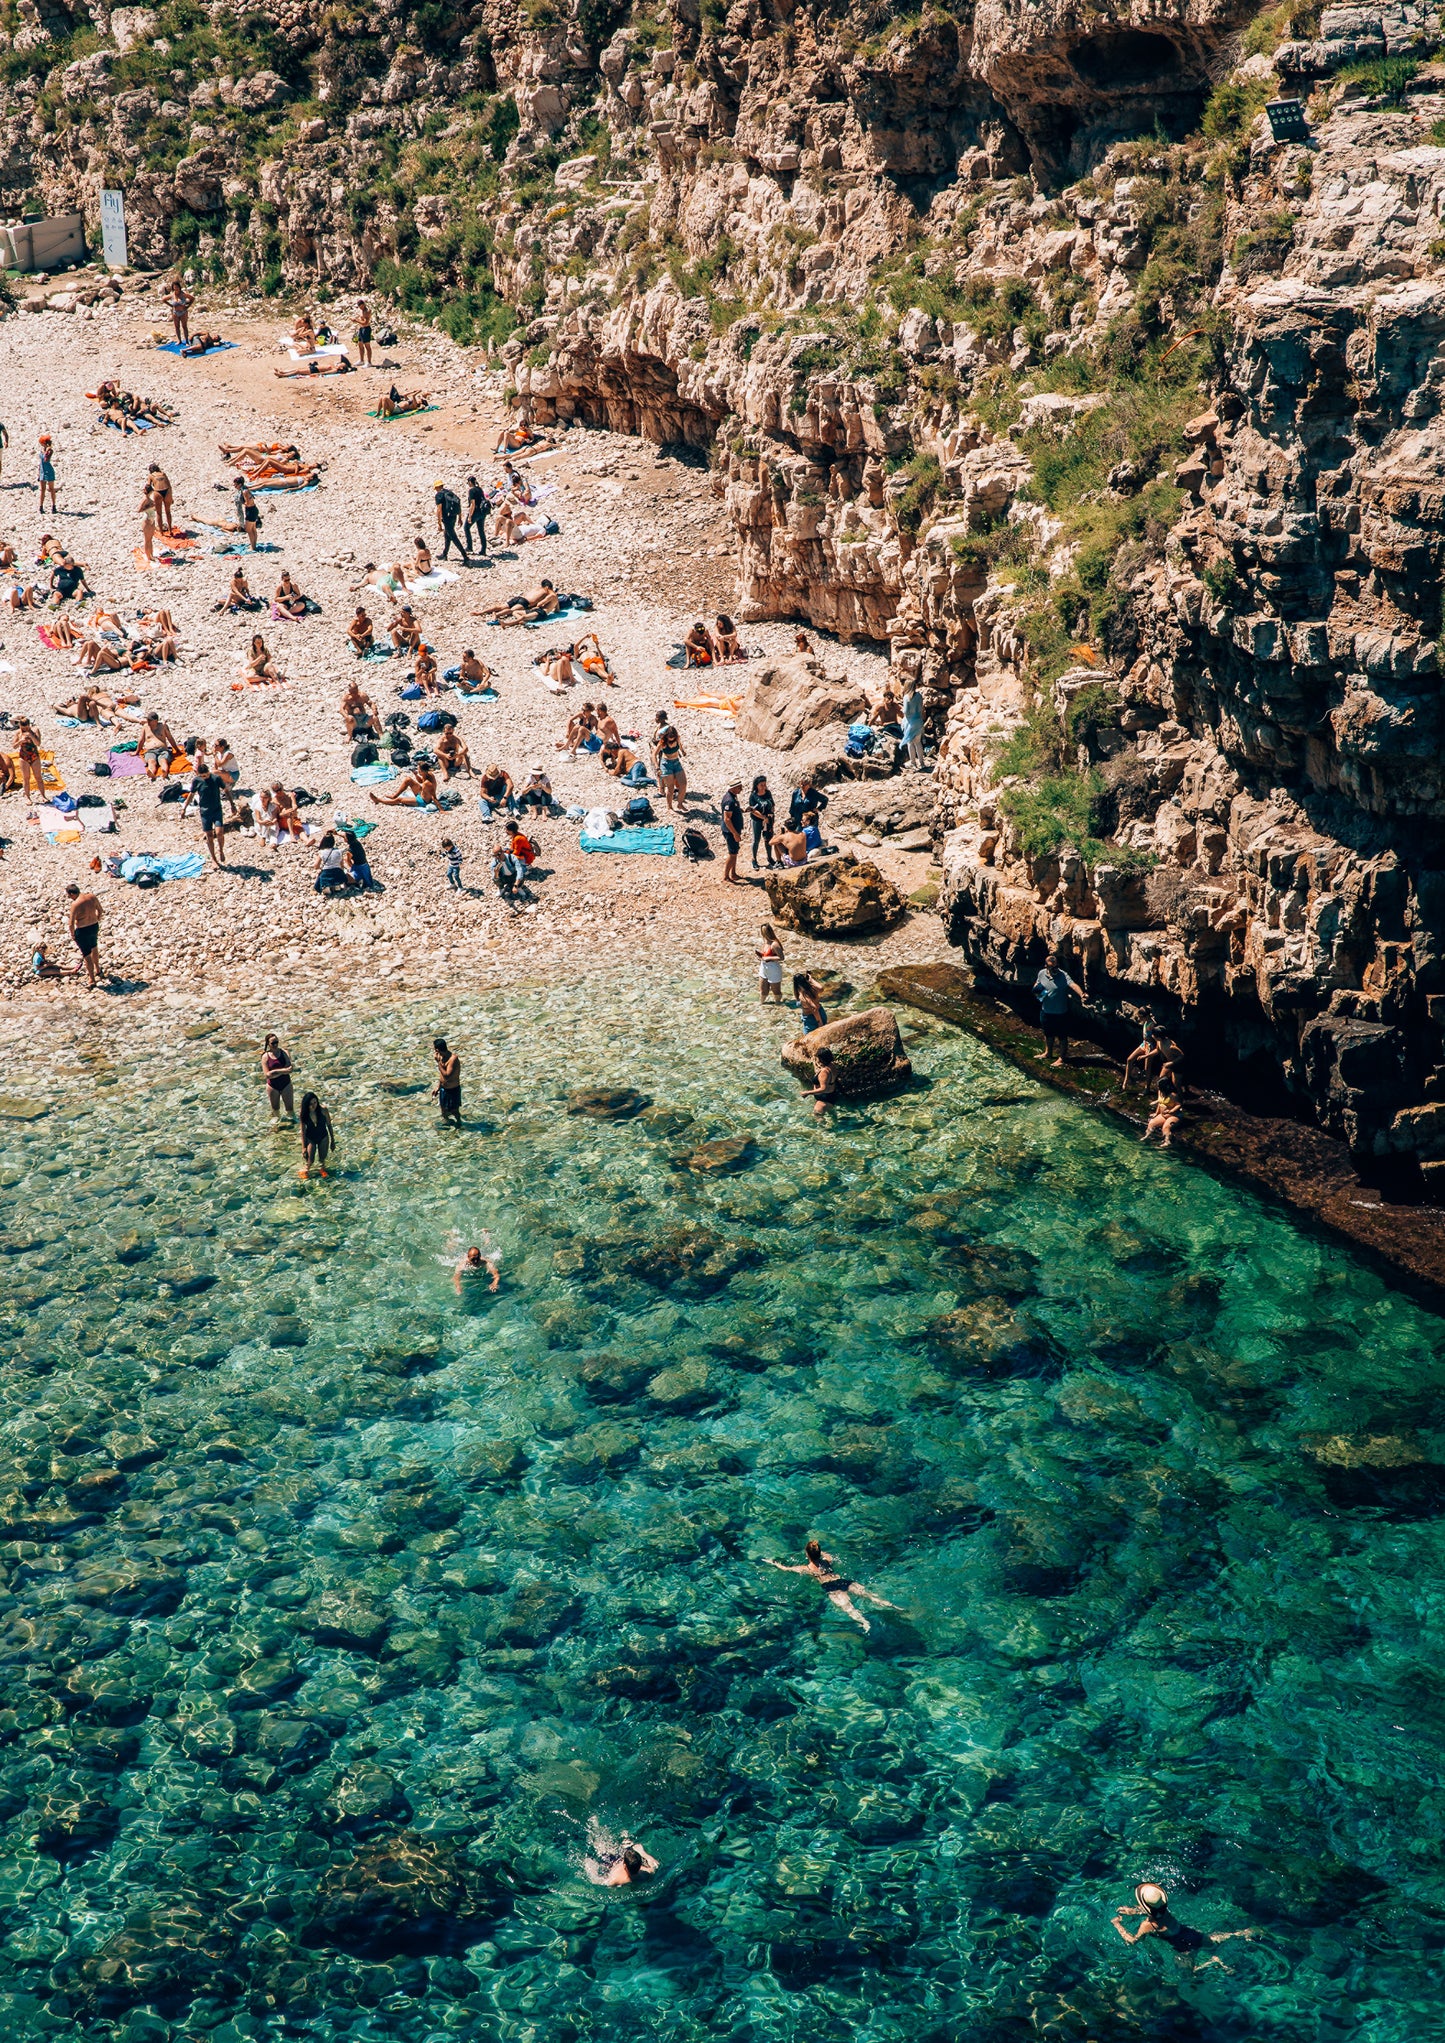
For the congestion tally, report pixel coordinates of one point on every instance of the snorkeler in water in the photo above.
(483, 1261)
(1186, 1943)
(840, 1591)
(615, 1865)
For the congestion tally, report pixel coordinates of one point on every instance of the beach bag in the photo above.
(638, 810)
(364, 755)
(411, 693)
(430, 720)
(694, 845)
(398, 721)
(90, 802)
(101, 769)
(172, 791)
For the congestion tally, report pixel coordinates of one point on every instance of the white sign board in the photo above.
(112, 229)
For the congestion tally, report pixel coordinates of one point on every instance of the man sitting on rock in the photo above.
(362, 633)
(791, 846)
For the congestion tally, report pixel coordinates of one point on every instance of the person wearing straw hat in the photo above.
(449, 509)
(1153, 1904)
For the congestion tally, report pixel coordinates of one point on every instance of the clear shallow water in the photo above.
(335, 1609)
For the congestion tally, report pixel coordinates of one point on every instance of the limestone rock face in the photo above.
(839, 896)
(1061, 69)
(868, 1055)
(794, 696)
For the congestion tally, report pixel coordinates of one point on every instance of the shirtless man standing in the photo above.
(448, 1089)
(85, 914)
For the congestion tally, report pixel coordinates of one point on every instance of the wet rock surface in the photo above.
(868, 1054)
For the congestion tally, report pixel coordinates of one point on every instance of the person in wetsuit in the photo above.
(1186, 1943)
(837, 1588)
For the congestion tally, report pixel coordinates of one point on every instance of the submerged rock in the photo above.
(987, 1338)
(727, 1153)
(868, 1057)
(839, 896)
(409, 1894)
(603, 1103)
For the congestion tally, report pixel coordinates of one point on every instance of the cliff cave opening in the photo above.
(1124, 57)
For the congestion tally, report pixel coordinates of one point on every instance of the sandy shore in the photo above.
(642, 534)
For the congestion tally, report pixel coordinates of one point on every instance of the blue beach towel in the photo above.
(171, 865)
(372, 776)
(657, 838)
(377, 653)
(175, 348)
(273, 487)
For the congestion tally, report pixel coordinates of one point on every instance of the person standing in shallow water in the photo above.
(1153, 1904)
(448, 1089)
(318, 1137)
(838, 1589)
(276, 1070)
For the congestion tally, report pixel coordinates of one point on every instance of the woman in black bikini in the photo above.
(1186, 1943)
(838, 1589)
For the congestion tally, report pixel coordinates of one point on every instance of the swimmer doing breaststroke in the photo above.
(839, 1590)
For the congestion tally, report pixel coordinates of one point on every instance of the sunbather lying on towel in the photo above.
(525, 609)
(258, 451)
(397, 403)
(319, 365)
(588, 653)
(91, 705)
(202, 343)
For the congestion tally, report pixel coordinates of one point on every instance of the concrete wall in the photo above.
(44, 244)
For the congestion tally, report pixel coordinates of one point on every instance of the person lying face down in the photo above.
(523, 609)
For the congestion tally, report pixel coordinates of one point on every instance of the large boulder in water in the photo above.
(839, 896)
(790, 697)
(868, 1057)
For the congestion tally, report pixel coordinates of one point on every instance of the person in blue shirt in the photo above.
(1054, 987)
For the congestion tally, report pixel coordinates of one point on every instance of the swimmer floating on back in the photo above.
(840, 1591)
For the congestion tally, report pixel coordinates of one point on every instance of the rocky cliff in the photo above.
(1015, 337)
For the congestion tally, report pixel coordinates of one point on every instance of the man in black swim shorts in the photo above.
(85, 913)
(448, 1088)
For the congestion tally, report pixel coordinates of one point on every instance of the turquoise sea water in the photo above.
(336, 1610)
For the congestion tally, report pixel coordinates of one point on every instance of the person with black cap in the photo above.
(449, 509)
